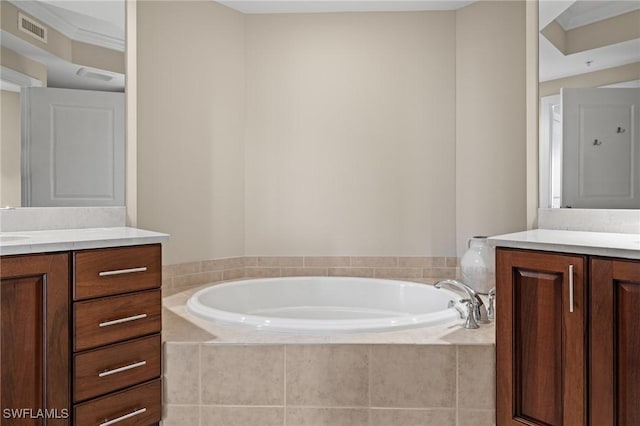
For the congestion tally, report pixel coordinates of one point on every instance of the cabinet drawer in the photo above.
(140, 405)
(115, 367)
(113, 319)
(106, 272)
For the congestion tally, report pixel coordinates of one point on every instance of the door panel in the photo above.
(540, 342)
(537, 311)
(615, 333)
(72, 147)
(34, 310)
(601, 148)
(628, 365)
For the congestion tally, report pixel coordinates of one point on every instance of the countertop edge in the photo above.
(79, 239)
(625, 246)
(562, 248)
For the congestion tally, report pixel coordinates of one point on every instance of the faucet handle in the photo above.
(491, 309)
(479, 310)
(470, 323)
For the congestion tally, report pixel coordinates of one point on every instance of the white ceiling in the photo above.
(61, 73)
(574, 13)
(554, 64)
(102, 22)
(587, 12)
(314, 6)
(98, 22)
(105, 11)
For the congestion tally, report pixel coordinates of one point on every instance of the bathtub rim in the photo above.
(451, 315)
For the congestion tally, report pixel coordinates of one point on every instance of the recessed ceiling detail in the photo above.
(583, 36)
(591, 36)
(312, 6)
(32, 27)
(587, 12)
(92, 28)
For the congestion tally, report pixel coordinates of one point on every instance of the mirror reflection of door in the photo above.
(72, 147)
(64, 45)
(601, 148)
(587, 44)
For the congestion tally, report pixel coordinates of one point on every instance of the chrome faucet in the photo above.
(491, 310)
(475, 305)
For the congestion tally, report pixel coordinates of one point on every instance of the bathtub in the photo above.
(326, 304)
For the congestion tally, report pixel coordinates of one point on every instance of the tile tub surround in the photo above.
(419, 269)
(333, 384)
(228, 375)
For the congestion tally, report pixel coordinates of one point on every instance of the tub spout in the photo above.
(477, 305)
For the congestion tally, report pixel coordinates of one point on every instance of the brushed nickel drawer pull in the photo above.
(122, 271)
(121, 369)
(125, 417)
(121, 320)
(570, 288)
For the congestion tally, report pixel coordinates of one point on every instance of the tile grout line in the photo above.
(200, 384)
(458, 385)
(339, 407)
(284, 402)
(369, 384)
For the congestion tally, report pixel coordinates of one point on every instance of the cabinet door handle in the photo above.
(125, 417)
(121, 320)
(121, 369)
(122, 271)
(570, 288)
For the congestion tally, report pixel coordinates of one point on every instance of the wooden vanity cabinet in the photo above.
(556, 367)
(81, 336)
(540, 338)
(614, 342)
(116, 336)
(34, 311)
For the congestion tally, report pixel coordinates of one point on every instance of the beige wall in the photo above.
(603, 33)
(490, 119)
(532, 37)
(131, 111)
(350, 134)
(10, 185)
(332, 134)
(24, 65)
(190, 127)
(10, 179)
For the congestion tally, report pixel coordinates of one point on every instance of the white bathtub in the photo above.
(325, 304)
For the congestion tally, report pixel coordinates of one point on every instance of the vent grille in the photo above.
(32, 27)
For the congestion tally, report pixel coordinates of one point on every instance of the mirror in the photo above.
(63, 81)
(589, 87)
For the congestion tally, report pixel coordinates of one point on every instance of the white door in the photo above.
(72, 148)
(601, 148)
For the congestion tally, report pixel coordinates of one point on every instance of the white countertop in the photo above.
(593, 243)
(24, 242)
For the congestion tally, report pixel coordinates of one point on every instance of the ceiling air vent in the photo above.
(33, 28)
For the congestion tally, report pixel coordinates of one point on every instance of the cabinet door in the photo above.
(614, 367)
(34, 311)
(540, 339)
